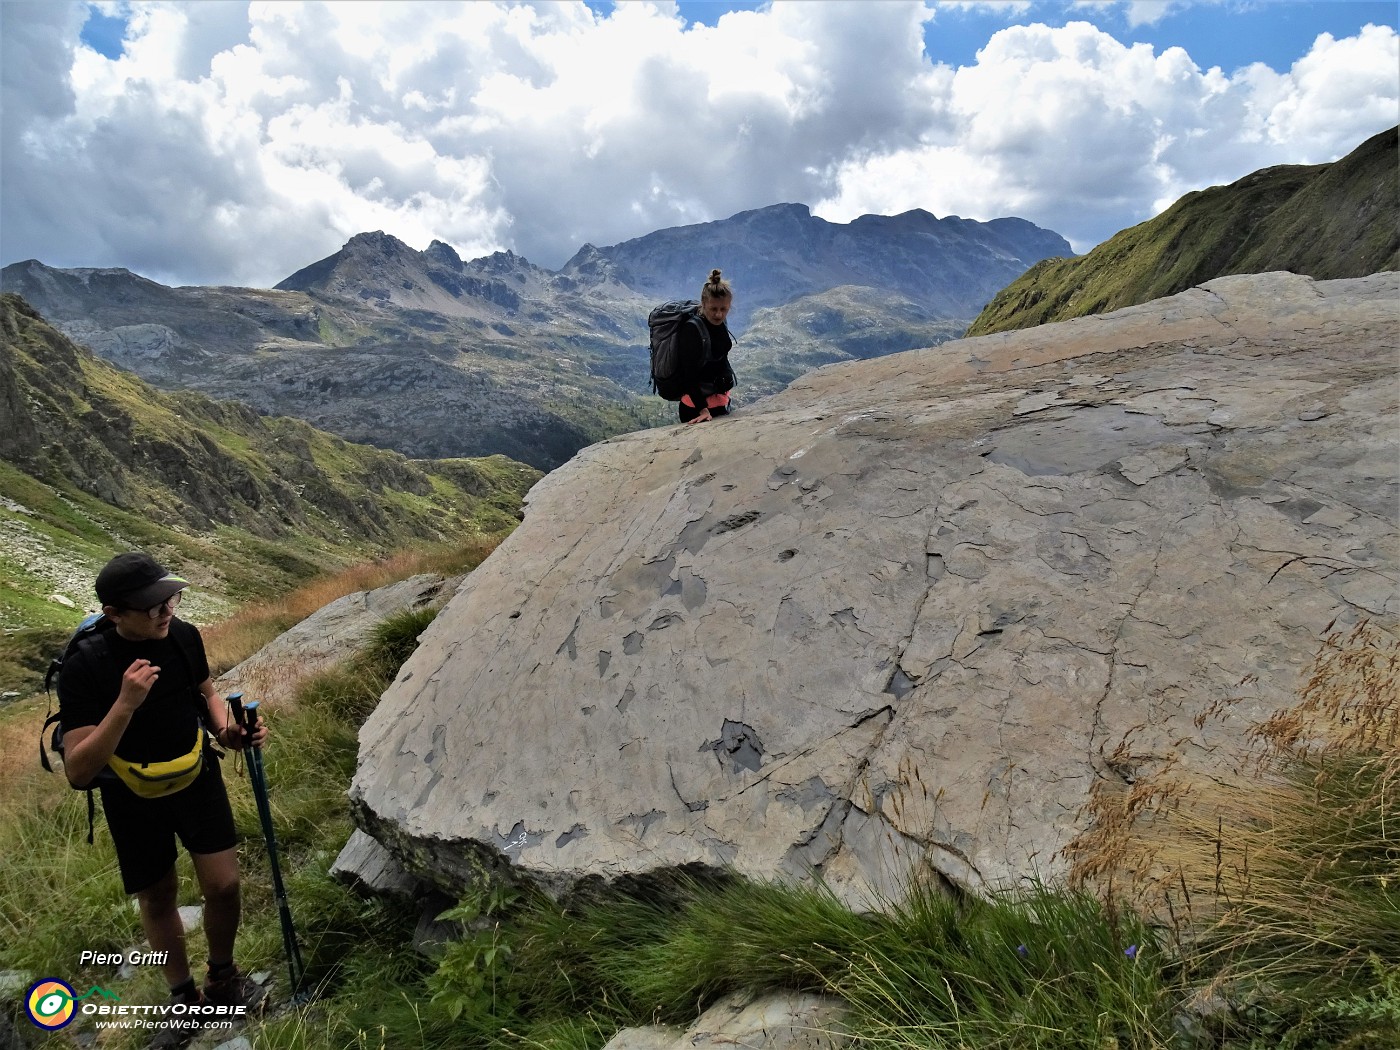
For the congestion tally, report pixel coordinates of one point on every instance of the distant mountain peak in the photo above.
(590, 265)
(782, 252)
(83, 273)
(378, 241)
(800, 211)
(503, 262)
(442, 252)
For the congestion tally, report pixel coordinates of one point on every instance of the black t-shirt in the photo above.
(164, 726)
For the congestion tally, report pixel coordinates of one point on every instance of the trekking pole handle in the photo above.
(244, 715)
(235, 701)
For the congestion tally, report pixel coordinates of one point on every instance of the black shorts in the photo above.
(144, 830)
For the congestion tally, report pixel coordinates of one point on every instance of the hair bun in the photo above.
(715, 288)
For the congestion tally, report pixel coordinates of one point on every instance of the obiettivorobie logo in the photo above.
(52, 1004)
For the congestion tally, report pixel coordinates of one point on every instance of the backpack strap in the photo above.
(201, 709)
(52, 720)
(55, 720)
(699, 323)
(96, 643)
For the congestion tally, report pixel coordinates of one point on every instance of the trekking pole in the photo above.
(246, 715)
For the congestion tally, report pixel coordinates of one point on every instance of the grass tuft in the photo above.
(1279, 879)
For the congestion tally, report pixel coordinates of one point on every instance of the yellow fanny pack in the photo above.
(154, 779)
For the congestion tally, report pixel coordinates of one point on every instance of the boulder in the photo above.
(333, 633)
(368, 867)
(777, 1021)
(896, 620)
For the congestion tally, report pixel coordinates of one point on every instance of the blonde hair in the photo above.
(716, 288)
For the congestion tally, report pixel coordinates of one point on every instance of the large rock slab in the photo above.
(333, 633)
(904, 614)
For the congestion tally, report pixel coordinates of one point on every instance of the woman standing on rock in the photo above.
(709, 383)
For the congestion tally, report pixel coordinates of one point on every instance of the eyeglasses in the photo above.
(169, 605)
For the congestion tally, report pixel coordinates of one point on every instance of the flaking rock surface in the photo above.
(905, 612)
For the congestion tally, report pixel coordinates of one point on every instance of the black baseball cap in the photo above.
(136, 581)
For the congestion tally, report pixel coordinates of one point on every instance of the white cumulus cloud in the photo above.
(236, 142)
(1085, 135)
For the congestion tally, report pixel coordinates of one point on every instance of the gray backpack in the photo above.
(670, 374)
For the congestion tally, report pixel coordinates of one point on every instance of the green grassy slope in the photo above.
(1326, 221)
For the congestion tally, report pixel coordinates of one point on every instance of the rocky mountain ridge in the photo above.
(434, 356)
(381, 269)
(778, 254)
(426, 384)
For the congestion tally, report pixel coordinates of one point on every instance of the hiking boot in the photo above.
(177, 1031)
(171, 1037)
(234, 989)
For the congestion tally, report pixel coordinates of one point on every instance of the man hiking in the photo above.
(136, 699)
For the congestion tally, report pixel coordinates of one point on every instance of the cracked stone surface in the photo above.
(899, 617)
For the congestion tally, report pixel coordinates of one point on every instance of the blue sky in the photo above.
(229, 142)
(1226, 34)
(1234, 35)
(104, 33)
(1229, 35)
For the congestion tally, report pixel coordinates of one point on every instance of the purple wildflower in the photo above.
(1130, 951)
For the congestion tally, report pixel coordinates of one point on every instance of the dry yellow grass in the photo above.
(235, 639)
(19, 742)
(1294, 843)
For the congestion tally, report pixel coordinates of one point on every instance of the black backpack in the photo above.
(670, 374)
(95, 626)
(92, 631)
